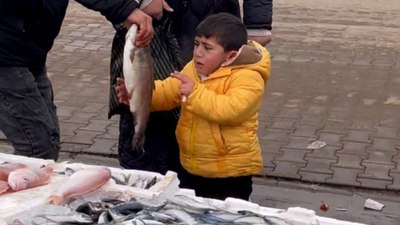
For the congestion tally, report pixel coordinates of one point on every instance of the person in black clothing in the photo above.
(28, 29)
(171, 48)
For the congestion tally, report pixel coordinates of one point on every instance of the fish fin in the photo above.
(56, 200)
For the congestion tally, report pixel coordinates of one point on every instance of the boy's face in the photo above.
(208, 55)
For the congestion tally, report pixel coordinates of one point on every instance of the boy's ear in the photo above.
(230, 57)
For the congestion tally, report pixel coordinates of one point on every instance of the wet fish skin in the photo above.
(80, 183)
(139, 83)
(25, 178)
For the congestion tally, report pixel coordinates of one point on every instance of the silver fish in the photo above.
(139, 82)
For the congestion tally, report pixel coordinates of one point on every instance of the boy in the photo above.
(220, 93)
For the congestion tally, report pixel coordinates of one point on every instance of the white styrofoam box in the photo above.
(13, 204)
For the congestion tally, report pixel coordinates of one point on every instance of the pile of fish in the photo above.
(179, 209)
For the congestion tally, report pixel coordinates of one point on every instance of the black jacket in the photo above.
(189, 13)
(28, 27)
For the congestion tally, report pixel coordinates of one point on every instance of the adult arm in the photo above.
(127, 11)
(257, 16)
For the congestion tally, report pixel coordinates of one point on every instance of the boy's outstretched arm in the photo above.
(238, 104)
(165, 95)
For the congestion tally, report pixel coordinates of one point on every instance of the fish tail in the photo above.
(56, 200)
(137, 142)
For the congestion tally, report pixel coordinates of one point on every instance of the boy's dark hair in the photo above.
(228, 30)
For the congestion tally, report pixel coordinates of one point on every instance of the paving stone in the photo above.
(338, 112)
(396, 170)
(112, 133)
(376, 171)
(335, 126)
(6, 148)
(327, 152)
(97, 125)
(101, 146)
(2, 136)
(310, 120)
(386, 132)
(69, 129)
(306, 131)
(374, 184)
(73, 147)
(318, 165)
(314, 177)
(349, 161)
(80, 117)
(384, 144)
(66, 111)
(286, 112)
(394, 123)
(287, 170)
(89, 159)
(315, 110)
(395, 186)
(366, 125)
(345, 176)
(269, 159)
(330, 138)
(292, 155)
(83, 137)
(271, 147)
(277, 135)
(358, 136)
(380, 157)
(282, 124)
(354, 148)
(299, 142)
(93, 107)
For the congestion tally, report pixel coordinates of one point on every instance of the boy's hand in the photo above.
(122, 93)
(187, 84)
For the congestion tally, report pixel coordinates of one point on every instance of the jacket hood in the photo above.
(253, 56)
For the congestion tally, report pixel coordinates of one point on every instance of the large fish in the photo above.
(7, 168)
(3, 186)
(139, 83)
(25, 178)
(80, 183)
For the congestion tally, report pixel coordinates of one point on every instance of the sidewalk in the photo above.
(335, 78)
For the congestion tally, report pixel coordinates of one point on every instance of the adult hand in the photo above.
(187, 84)
(144, 21)
(122, 93)
(156, 7)
(263, 40)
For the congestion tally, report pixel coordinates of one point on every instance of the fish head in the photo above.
(18, 182)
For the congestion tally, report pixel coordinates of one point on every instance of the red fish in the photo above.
(25, 178)
(7, 168)
(80, 183)
(3, 186)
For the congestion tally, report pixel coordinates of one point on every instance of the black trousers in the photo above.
(220, 188)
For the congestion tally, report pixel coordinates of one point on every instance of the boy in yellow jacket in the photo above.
(220, 92)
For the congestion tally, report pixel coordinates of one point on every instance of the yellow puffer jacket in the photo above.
(217, 130)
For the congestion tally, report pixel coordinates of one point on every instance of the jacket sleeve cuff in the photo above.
(258, 32)
(145, 3)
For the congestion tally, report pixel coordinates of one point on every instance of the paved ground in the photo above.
(335, 78)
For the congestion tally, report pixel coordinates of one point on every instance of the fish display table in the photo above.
(159, 193)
